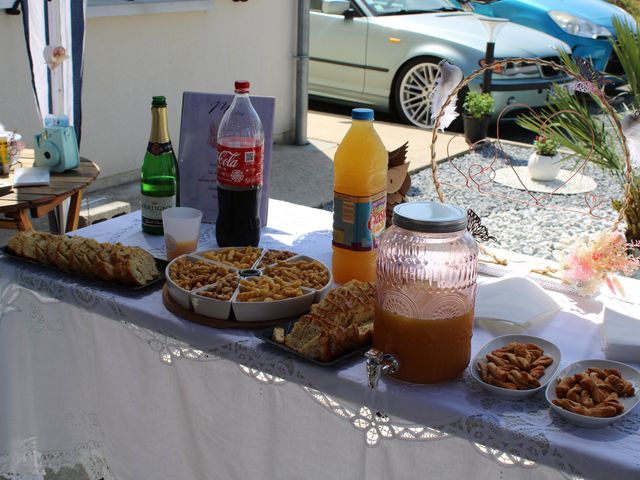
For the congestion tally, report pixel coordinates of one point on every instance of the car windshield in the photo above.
(408, 7)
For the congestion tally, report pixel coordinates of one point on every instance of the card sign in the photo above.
(198, 156)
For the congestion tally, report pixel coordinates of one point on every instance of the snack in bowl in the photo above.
(111, 262)
(202, 281)
(236, 257)
(267, 289)
(189, 275)
(516, 366)
(594, 392)
(272, 256)
(223, 289)
(310, 273)
(536, 347)
(340, 322)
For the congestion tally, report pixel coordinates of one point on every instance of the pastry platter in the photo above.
(267, 335)
(111, 265)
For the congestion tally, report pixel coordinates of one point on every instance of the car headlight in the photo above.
(578, 26)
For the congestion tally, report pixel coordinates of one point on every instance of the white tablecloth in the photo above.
(108, 381)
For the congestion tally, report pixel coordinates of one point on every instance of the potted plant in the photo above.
(590, 136)
(544, 163)
(476, 111)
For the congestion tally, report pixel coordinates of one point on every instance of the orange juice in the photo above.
(175, 249)
(429, 351)
(360, 199)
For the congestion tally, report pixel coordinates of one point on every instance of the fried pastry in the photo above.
(595, 392)
(516, 366)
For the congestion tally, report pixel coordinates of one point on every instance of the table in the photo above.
(110, 380)
(40, 200)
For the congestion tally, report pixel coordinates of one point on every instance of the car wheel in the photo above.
(412, 90)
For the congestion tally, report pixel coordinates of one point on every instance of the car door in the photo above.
(337, 51)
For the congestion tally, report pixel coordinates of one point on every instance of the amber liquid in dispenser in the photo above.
(438, 350)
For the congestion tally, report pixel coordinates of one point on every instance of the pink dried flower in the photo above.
(589, 265)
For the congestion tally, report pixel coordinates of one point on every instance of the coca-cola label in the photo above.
(239, 166)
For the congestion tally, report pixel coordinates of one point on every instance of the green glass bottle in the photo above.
(159, 175)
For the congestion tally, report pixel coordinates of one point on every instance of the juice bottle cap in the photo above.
(430, 217)
(362, 114)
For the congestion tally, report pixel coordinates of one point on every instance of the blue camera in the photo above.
(56, 147)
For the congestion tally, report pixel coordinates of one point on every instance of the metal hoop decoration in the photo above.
(628, 175)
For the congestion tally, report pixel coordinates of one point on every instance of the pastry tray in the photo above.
(161, 264)
(266, 335)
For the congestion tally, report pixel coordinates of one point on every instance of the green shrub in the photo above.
(478, 105)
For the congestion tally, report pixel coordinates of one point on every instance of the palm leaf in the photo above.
(568, 120)
(627, 48)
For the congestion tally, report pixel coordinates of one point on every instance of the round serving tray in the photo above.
(192, 316)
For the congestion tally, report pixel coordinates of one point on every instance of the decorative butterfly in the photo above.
(592, 80)
(475, 227)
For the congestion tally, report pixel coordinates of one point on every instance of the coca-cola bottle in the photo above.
(239, 172)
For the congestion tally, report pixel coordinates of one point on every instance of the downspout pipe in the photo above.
(302, 73)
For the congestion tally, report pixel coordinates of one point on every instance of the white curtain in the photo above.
(56, 23)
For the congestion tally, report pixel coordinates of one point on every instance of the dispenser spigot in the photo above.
(378, 363)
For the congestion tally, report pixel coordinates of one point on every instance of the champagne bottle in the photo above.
(159, 174)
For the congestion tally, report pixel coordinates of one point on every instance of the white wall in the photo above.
(128, 59)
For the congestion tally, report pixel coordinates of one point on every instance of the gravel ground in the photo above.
(522, 227)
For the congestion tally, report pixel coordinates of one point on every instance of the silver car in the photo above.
(385, 54)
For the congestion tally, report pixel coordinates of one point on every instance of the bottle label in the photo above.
(152, 208)
(358, 222)
(239, 166)
(155, 148)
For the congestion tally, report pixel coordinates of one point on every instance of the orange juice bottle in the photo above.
(359, 199)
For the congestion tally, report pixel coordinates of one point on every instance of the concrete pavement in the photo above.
(304, 175)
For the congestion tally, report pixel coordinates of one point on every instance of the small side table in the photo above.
(23, 203)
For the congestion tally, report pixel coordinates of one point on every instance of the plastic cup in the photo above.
(181, 230)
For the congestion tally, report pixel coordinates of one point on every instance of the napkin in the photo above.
(513, 299)
(621, 330)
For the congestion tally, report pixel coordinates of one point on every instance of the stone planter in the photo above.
(544, 168)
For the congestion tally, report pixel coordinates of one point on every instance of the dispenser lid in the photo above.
(430, 217)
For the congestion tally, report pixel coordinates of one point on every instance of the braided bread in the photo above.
(341, 322)
(106, 261)
(594, 392)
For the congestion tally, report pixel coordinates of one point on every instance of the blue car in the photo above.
(585, 25)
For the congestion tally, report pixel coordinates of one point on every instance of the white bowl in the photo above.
(181, 295)
(210, 307)
(273, 310)
(243, 311)
(628, 373)
(549, 348)
(202, 253)
(262, 261)
(320, 292)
